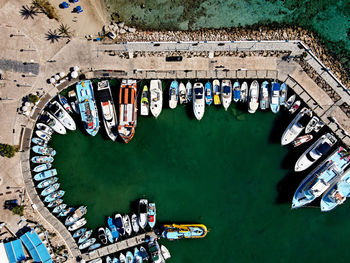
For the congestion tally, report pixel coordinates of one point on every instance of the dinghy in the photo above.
(54, 196)
(189, 91)
(45, 175)
(294, 107)
(182, 93)
(42, 159)
(236, 91)
(264, 96)
(208, 93)
(144, 101)
(216, 92)
(290, 101)
(50, 189)
(42, 167)
(127, 224)
(244, 92)
(156, 95)
(319, 126)
(47, 182)
(135, 224)
(43, 150)
(226, 93)
(78, 224)
(253, 98)
(173, 94)
(312, 124)
(72, 97)
(151, 214)
(62, 116)
(64, 103)
(143, 209)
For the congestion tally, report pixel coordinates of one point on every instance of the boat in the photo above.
(87, 107)
(244, 92)
(66, 212)
(156, 96)
(39, 141)
(62, 99)
(42, 159)
(113, 228)
(115, 260)
(236, 91)
(127, 110)
(109, 115)
(144, 101)
(87, 243)
(302, 139)
(152, 214)
(94, 246)
(144, 254)
(102, 235)
(127, 224)
(165, 252)
(321, 178)
(122, 258)
(182, 93)
(78, 213)
(290, 101)
(154, 250)
(118, 219)
(78, 224)
(283, 96)
(134, 223)
(137, 256)
(97, 260)
(143, 209)
(50, 189)
(129, 257)
(189, 91)
(43, 136)
(216, 92)
(72, 97)
(42, 167)
(55, 203)
(54, 123)
(54, 196)
(43, 150)
(337, 193)
(294, 107)
(44, 128)
(180, 231)
(318, 149)
(318, 126)
(109, 235)
(253, 98)
(85, 236)
(226, 93)
(108, 259)
(264, 96)
(198, 100)
(208, 93)
(62, 116)
(312, 124)
(275, 97)
(47, 182)
(173, 94)
(296, 126)
(59, 208)
(79, 232)
(45, 175)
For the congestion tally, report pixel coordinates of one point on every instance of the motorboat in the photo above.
(78, 213)
(144, 254)
(321, 178)
(154, 250)
(39, 141)
(208, 93)
(72, 97)
(102, 235)
(129, 257)
(109, 235)
(137, 256)
(264, 96)
(42, 167)
(87, 243)
(87, 107)
(189, 91)
(312, 124)
(143, 209)
(118, 219)
(55, 203)
(43, 150)
(79, 232)
(244, 92)
(180, 231)
(319, 126)
(302, 139)
(113, 228)
(152, 212)
(156, 96)
(253, 98)
(42, 159)
(66, 212)
(59, 208)
(296, 126)
(54, 123)
(198, 100)
(122, 258)
(54, 196)
(94, 246)
(44, 128)
(109, 115)
(62, 116)
(63, 100)
(216, 92)
(85, 236)
(226, 93)
(294, 107)
(318, 149)
(47, 182)
(182, 93)
(165, 252)
(134, 223)
(50, 189)
(127, 109)
(127, 224)
(43, 136)
(173, 94)
(275, 97)
(45, 175)
(236, 91)
(77, 224)
(144, 101)
(283, 95)
(289, 103)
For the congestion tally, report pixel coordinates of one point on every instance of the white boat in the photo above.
(312, 124)
(143, 209)
(44, 128)
(97, 260)
(173, 94)
(264, 96)
(122, 258)
(135, 224)
(42, 135)
(165, 252)
(144, 103)
(318, 149)
(55, 124)
(226, 93)
(188, 91)
(198, 100)
(78, 224)
(290, 102)
(319, 126)
(296, 126)
(87, 243)
(182, 93)
(244, 92)
(72, 97)
(109, 115)
(294, 107)
(62, 115)
(253, 98)
(78, 213)
(156, 95)
(127, 224)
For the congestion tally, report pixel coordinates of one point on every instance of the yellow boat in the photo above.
(180, 231)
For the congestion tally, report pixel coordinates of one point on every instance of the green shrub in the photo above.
(18, 210)
(7, 150)
(33, 98)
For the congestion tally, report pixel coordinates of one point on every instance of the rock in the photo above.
(121, 24)
(126, 28)
(132, 29)
(122, 31)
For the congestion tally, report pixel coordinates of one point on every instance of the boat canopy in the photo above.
(323, 148)
(276, 86)
(227, 89)
(104, 95)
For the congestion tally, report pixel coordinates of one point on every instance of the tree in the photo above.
(65, 30)
(52, 36)
(18, 210)
(28, 12)
(33, 98)
(7, 150)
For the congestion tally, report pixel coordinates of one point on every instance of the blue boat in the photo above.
(129, 257)
(50, 189)
(85, 236)
(283, 95)
(55, 203)
(321, 178)
(66, 211)
(79, 232)
(45, 175)
(94, 246)
(59, 208)
(54, 196)
(115, 260)
(275, 97)
(87, 107)
(42, 167)
(42, 159)
(109, 235)
(137, 256)
(39, 141)
(118, 219)
(236, 91)
(113, 228)
(47, 182)
(43, 150)
(173, 94)
(208, 93)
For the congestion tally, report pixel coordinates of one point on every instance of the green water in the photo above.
(231, 175)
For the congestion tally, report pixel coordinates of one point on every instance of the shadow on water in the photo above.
(287, 186)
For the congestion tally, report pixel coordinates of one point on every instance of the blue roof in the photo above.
(14, 251)
(276, 86)
(36, 248)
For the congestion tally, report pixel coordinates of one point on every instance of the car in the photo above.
(10, 204)
(173, 58)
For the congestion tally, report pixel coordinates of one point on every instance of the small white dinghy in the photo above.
(253, 98)
(135, 224)
(127, 224)
(144, 101)
(312, 124)
(156, 95)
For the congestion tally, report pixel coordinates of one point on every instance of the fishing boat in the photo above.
(102, 235)
(78, 213)
(283, 96)
(321, 178)
(85, 236)
(319, 126)
(137, 256)
(50, 189)
(87, 243)
(296, 126)
(42, 167)
(216, 92)
(42, 159)
(79, 232)
(109, 235)
(87, 107)
(236, 91)
(165, 252)
(182, 93)
(189, 91)
(264, 96)
(108, 109)
(44, 128)
(62, 99)
(94, 246)
(302, 139)
(47, 182)
(143, 209)
(156, 95)
(55, 203)
(144, 101)
(118, 219)
(113, 228)
(62, 116)
(253, 98)
(43, 150)
(318, 149)
(226, 93)
(45, 175)
(66, 212)
(208, 93)
(54, 196)
(152, 214)
(312, 124)
(144, 254)
(108, 259)
(275, 97)
(198, 100)
(122, 258)
(129, 257)
(77, 224)
(134, 223)
(54, 123)
(39, 141)
(59, 208)
(154, 250)
(290, 101)
(72, 97)
(175, 231)
(115, 260)
(244, 92)
(127, 110)
(43, 136)
(173, 94)
(127, 224)
(294, 107)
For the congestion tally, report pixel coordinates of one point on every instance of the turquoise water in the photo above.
(231, 175)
